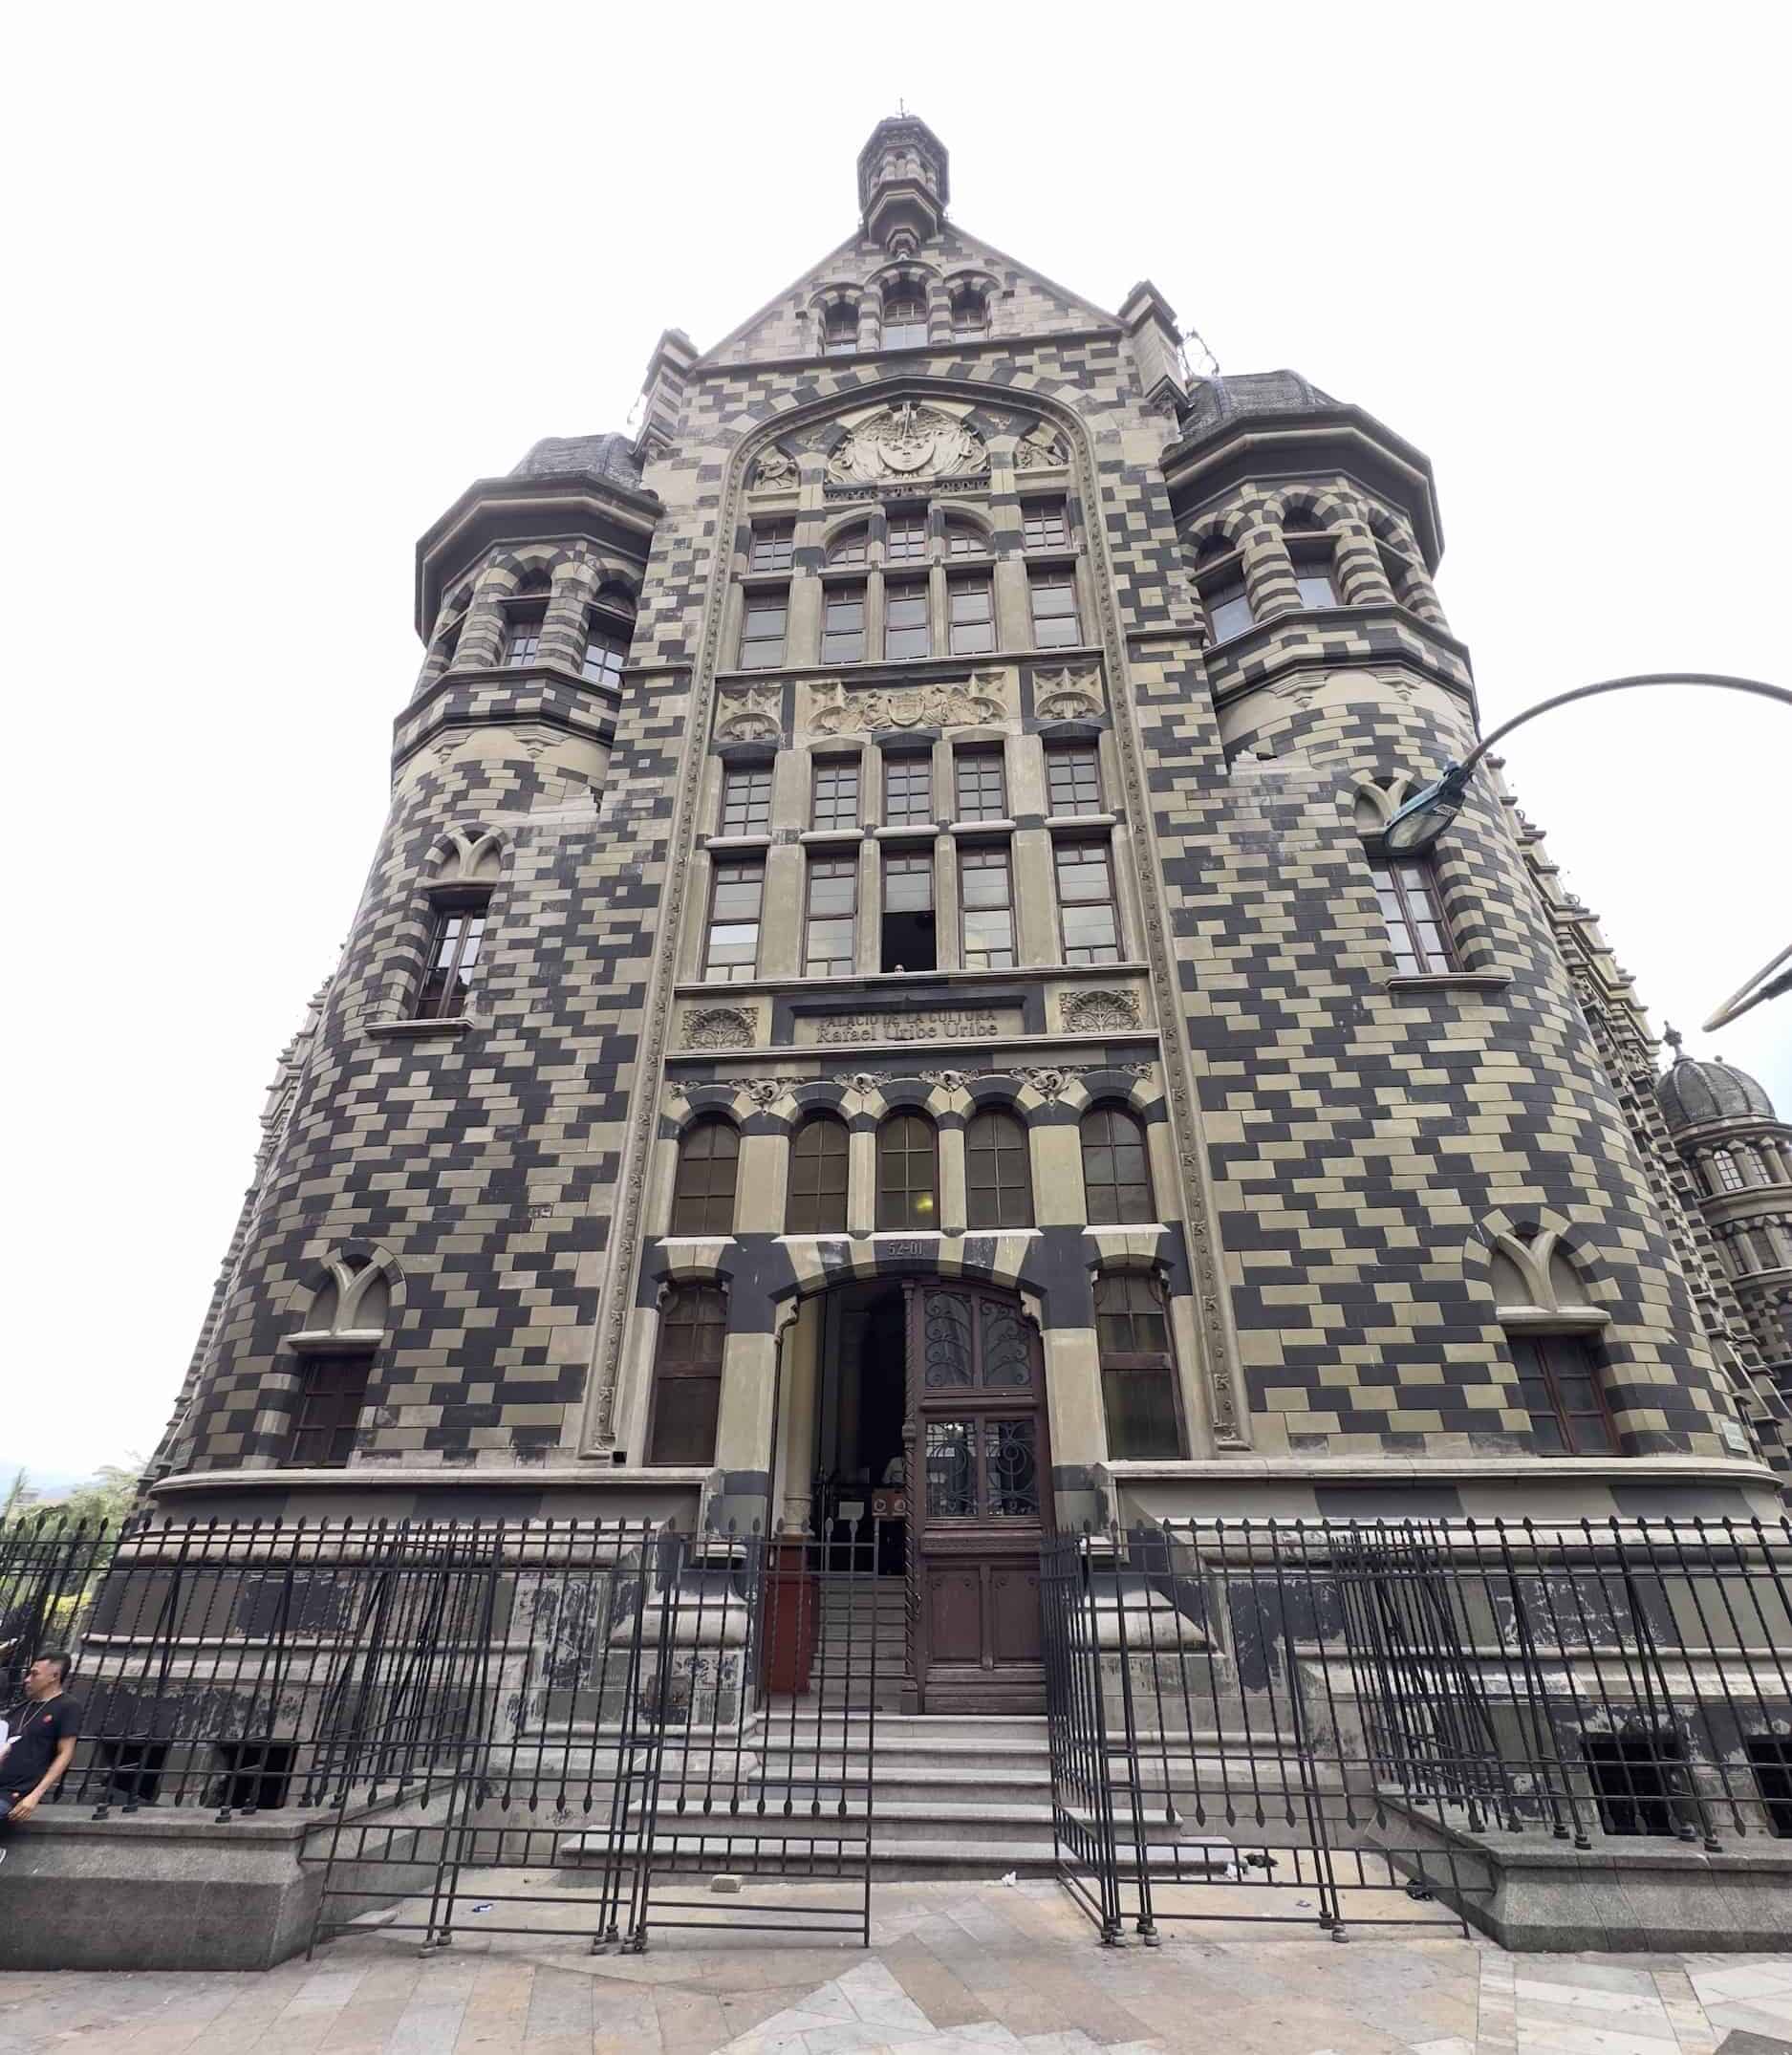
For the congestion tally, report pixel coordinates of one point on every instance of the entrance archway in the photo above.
(937, 1383)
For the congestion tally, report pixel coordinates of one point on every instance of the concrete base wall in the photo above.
(179, 1890)
(1533, 1894)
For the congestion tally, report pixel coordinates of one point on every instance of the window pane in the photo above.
(998, 1172)
(906, 631)
(452, 956)
(908, 884)
(703, 1194)
(1073, 779)
(332, 1391)
(904, 322)
(831, 929)
(906, 1189)
(964, 540)
(972, 613)
(843, 625)
(986, 908)
(762, 632)
(774, 545)
(1086, 910)
(1412, 911)
(1010, 1470)
(818, 1178)
(908, 789)
(905, 537)
(746, 801)
(1116, 1177)
(1140, 1406)
(1054, 611)
(1228, 610)
(950, 1462)
(731, 952)
(848, 546)
(1044, 526)
(982, 793)
(836, 794)
(604, 651)
(524, 645)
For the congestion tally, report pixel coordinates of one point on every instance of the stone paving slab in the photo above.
(953, 1969)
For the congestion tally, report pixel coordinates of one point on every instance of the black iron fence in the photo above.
(1309, 1713)
(546, 1707)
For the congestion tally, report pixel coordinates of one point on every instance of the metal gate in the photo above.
(655, 1731)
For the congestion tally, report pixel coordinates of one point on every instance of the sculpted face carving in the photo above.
(907, 442)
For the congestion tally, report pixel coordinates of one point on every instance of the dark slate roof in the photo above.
(1215, 400)
(608, 455)
(1692, 1092)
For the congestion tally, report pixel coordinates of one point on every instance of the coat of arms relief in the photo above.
(907, 442)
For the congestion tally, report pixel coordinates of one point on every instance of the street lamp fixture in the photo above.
(1425, 816)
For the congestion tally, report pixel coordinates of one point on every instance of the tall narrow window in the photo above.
(965, 538)
(1413, 910)
(981, 787)
(703, 1194)
(904, 320)
(908, 1192)
(908, 791)
(905, 535)
(832, 927)
(1137, 1368)
(746, 799)
(454, 946)
(1313, 576)
(839, 330)
(843, 624)
(1228, 606)
(523, 643)
(761, 631)
(970, 312)
(998, 1172)
(850, 546)
(1055, 622)
(1074, 778)
(332, 1390)
(836, 794)
(906, 632)
(818, 1178)
(774, 546)
(731, 948)
(908, 941)
(986, 907)
(687, 1376)
(1559, 1388)
(1043, 524)
(1728, 1177)
(606, 648)
(1116, 1170)
(971, 613)
(1088, 917)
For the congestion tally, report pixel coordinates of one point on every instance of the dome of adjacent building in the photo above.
(1692, 1094)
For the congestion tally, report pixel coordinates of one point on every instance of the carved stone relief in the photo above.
(774, 472)
(749, 713)
(1040, 452)
(835, 710)
(1070, 694)
(1098, 1012)
(721, 1027)
(907, 442)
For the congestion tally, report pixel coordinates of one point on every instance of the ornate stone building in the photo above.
(879, 965)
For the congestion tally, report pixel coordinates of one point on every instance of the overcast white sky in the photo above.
(284, 281)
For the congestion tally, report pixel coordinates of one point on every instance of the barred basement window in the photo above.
(908, 1193)
(1074, 778)
(1045, 525)
(687, 1376)
(454, 948)
(1559, 1388)
(761, 631)
(731, 948)
(332, 1390)
(982, 790)
(1055, 622)
(1413, 909)
(1088, 921)
(746, 801)
(774, 546)
(818, 1176)
(998, 1172)
(703, 1193)
(836, 794)
(986, 907)
(1137, 1368)
(971, 616)
(908, 791)
(830, 929)
(843, 624)
(1117, 1169)
(906, 629)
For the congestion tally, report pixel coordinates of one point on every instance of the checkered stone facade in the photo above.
(1335, 1148)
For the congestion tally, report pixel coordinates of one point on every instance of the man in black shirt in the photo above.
(44, 1732)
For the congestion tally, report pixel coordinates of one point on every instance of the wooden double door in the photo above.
(979, 1476)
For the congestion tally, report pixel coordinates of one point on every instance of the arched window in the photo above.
(1310, 547)
(998, 1172)
(1541, 1300)
(1137, 1368)
(524, 614)
(908, 1172)
(818, 1178)
(687, 1376)
(965, 538)
(343, 1326)
(1220, 579)
(839, 328)
(850, 544)
(703, 1195)
(904, 319)
(1116, 1170)
(970, 312)
(1723, 1175)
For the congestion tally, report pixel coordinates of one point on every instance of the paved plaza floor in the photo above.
(953, 1969)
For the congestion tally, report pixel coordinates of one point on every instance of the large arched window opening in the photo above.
(703, 1194)
(1117, 1169)
(818, 1176)
(908, 1172)
(687, 1376)
(998, 1172)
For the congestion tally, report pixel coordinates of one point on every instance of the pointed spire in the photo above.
(903, 179)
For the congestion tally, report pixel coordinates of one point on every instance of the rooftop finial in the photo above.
(1672, 1037)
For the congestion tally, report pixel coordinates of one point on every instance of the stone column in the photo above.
(1269, 568)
